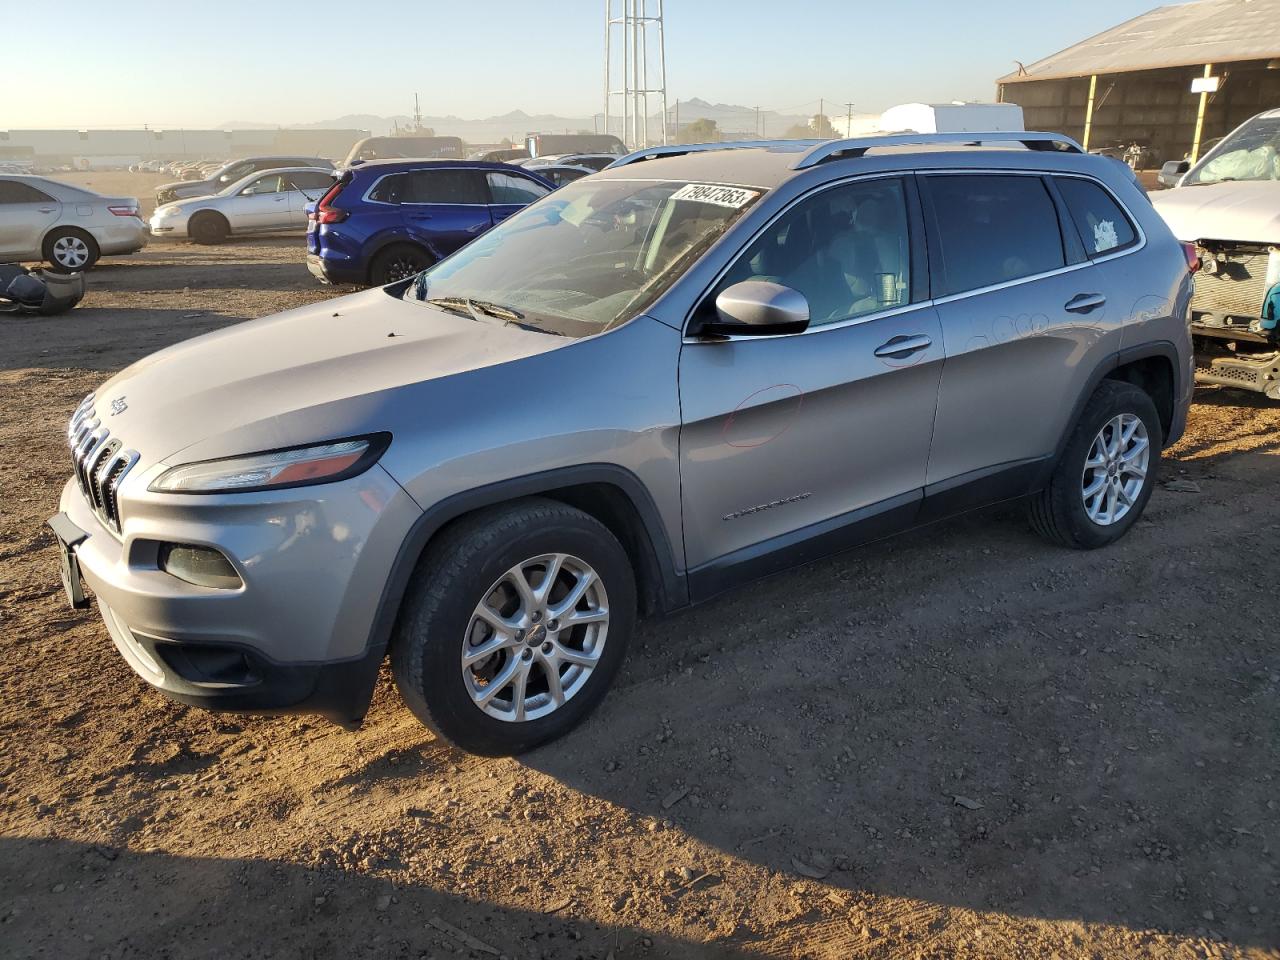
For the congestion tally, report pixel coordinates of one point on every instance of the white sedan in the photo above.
(263, 202)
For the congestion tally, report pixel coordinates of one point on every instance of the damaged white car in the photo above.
(1228, 205)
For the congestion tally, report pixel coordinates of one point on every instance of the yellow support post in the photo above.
(1088, 111)
(1204, 102)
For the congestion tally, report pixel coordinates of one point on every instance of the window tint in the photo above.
(14, 191)
(444, 186)
(993, 229)
(509, 188)
(389, 189)
(847, 250)
(1102, 224)
(269, 184)
(311, 181)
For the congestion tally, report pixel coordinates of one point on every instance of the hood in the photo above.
(1246, 210)
(315, 373)
(190, 188)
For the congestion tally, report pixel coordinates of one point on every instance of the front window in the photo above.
(589, 256)
(1251, 153)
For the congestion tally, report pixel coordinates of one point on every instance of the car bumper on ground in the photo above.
(294, 637)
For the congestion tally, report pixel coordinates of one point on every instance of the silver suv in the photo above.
(701, 366)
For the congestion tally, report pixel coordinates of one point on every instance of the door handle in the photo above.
(1084, 302)
(419, 216)
(281, 199)
(899, 347)
(46, 209)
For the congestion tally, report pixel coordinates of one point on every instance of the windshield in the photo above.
(1251, 153)
(591, 255)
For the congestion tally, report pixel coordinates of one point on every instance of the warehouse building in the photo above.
(1172, 80)
(102, 147)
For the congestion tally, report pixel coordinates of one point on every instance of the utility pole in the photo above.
(676, 132)
(629, 26)
(757, 127)
(848, 127)
(821, 108)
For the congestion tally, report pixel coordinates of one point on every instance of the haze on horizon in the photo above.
(128, 63)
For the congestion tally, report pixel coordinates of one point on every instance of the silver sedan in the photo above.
(67, 226)
(263, 202)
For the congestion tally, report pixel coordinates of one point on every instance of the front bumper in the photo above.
(168, 226)
(295, 636)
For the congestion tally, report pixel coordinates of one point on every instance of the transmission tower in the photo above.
(633, 42)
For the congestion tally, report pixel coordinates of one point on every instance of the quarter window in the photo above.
(1102, 224)
(993, 229)
(507, 188)
(848, 250)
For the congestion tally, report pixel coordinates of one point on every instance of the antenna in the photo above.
(630, 28)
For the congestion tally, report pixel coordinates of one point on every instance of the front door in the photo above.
(794, 446)
(444, 209)
(262, 205)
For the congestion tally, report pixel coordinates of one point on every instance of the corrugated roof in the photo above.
(1207, 31)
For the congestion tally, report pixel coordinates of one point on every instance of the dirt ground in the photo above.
(963, 742)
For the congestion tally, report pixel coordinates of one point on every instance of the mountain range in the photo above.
(730, 119)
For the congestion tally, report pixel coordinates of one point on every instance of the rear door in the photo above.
(443, 209)
(26, 213)
(1025, 323)
(305, 187)
(512, 192)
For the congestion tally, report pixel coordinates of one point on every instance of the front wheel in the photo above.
(514, 626)
(1104, 478)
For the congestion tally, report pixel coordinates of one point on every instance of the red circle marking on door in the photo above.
(786, 399)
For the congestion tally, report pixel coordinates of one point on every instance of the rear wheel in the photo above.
(396, 262)
(514, 626)
(209, 227)
(69, 250)
(1105, 476)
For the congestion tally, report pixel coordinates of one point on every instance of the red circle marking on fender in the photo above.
(786, 399)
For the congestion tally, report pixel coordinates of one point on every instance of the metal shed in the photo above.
(1134, 82)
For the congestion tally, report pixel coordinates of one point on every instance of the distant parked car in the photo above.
(259, 203)
(1228, 205)
(388, 219)
(561, 173)
(69, 227)
(510, 155)
(231, 172)
(391, 148)
(596, 161)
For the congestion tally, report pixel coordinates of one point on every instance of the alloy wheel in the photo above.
(1116, 469)
(535, 637)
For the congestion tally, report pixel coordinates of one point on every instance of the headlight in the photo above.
(275, 469)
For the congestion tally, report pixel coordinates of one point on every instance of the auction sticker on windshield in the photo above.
(733, 197)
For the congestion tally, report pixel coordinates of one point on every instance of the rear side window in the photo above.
(1102, 224)
(12, 191)
(993, 229)
(508, 188)
(389, 189)
(444, 186)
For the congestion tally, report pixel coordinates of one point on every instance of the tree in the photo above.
(818, 127)
(702, 130)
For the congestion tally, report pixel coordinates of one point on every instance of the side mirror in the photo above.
(757, 308)
(1172, 171)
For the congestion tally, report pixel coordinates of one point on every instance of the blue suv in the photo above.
(385, 220)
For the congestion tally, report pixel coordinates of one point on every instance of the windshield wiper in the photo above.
(495, 310)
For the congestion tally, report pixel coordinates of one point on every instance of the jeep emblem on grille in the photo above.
(118, 406)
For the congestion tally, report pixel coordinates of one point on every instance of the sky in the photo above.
(125, 63)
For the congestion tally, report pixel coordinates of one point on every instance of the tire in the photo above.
(69, 250)
(1062, 512)
(469, 565)
(209, 228)
(396, 262)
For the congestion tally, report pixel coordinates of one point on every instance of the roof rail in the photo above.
(679, 150)
(857, 146)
